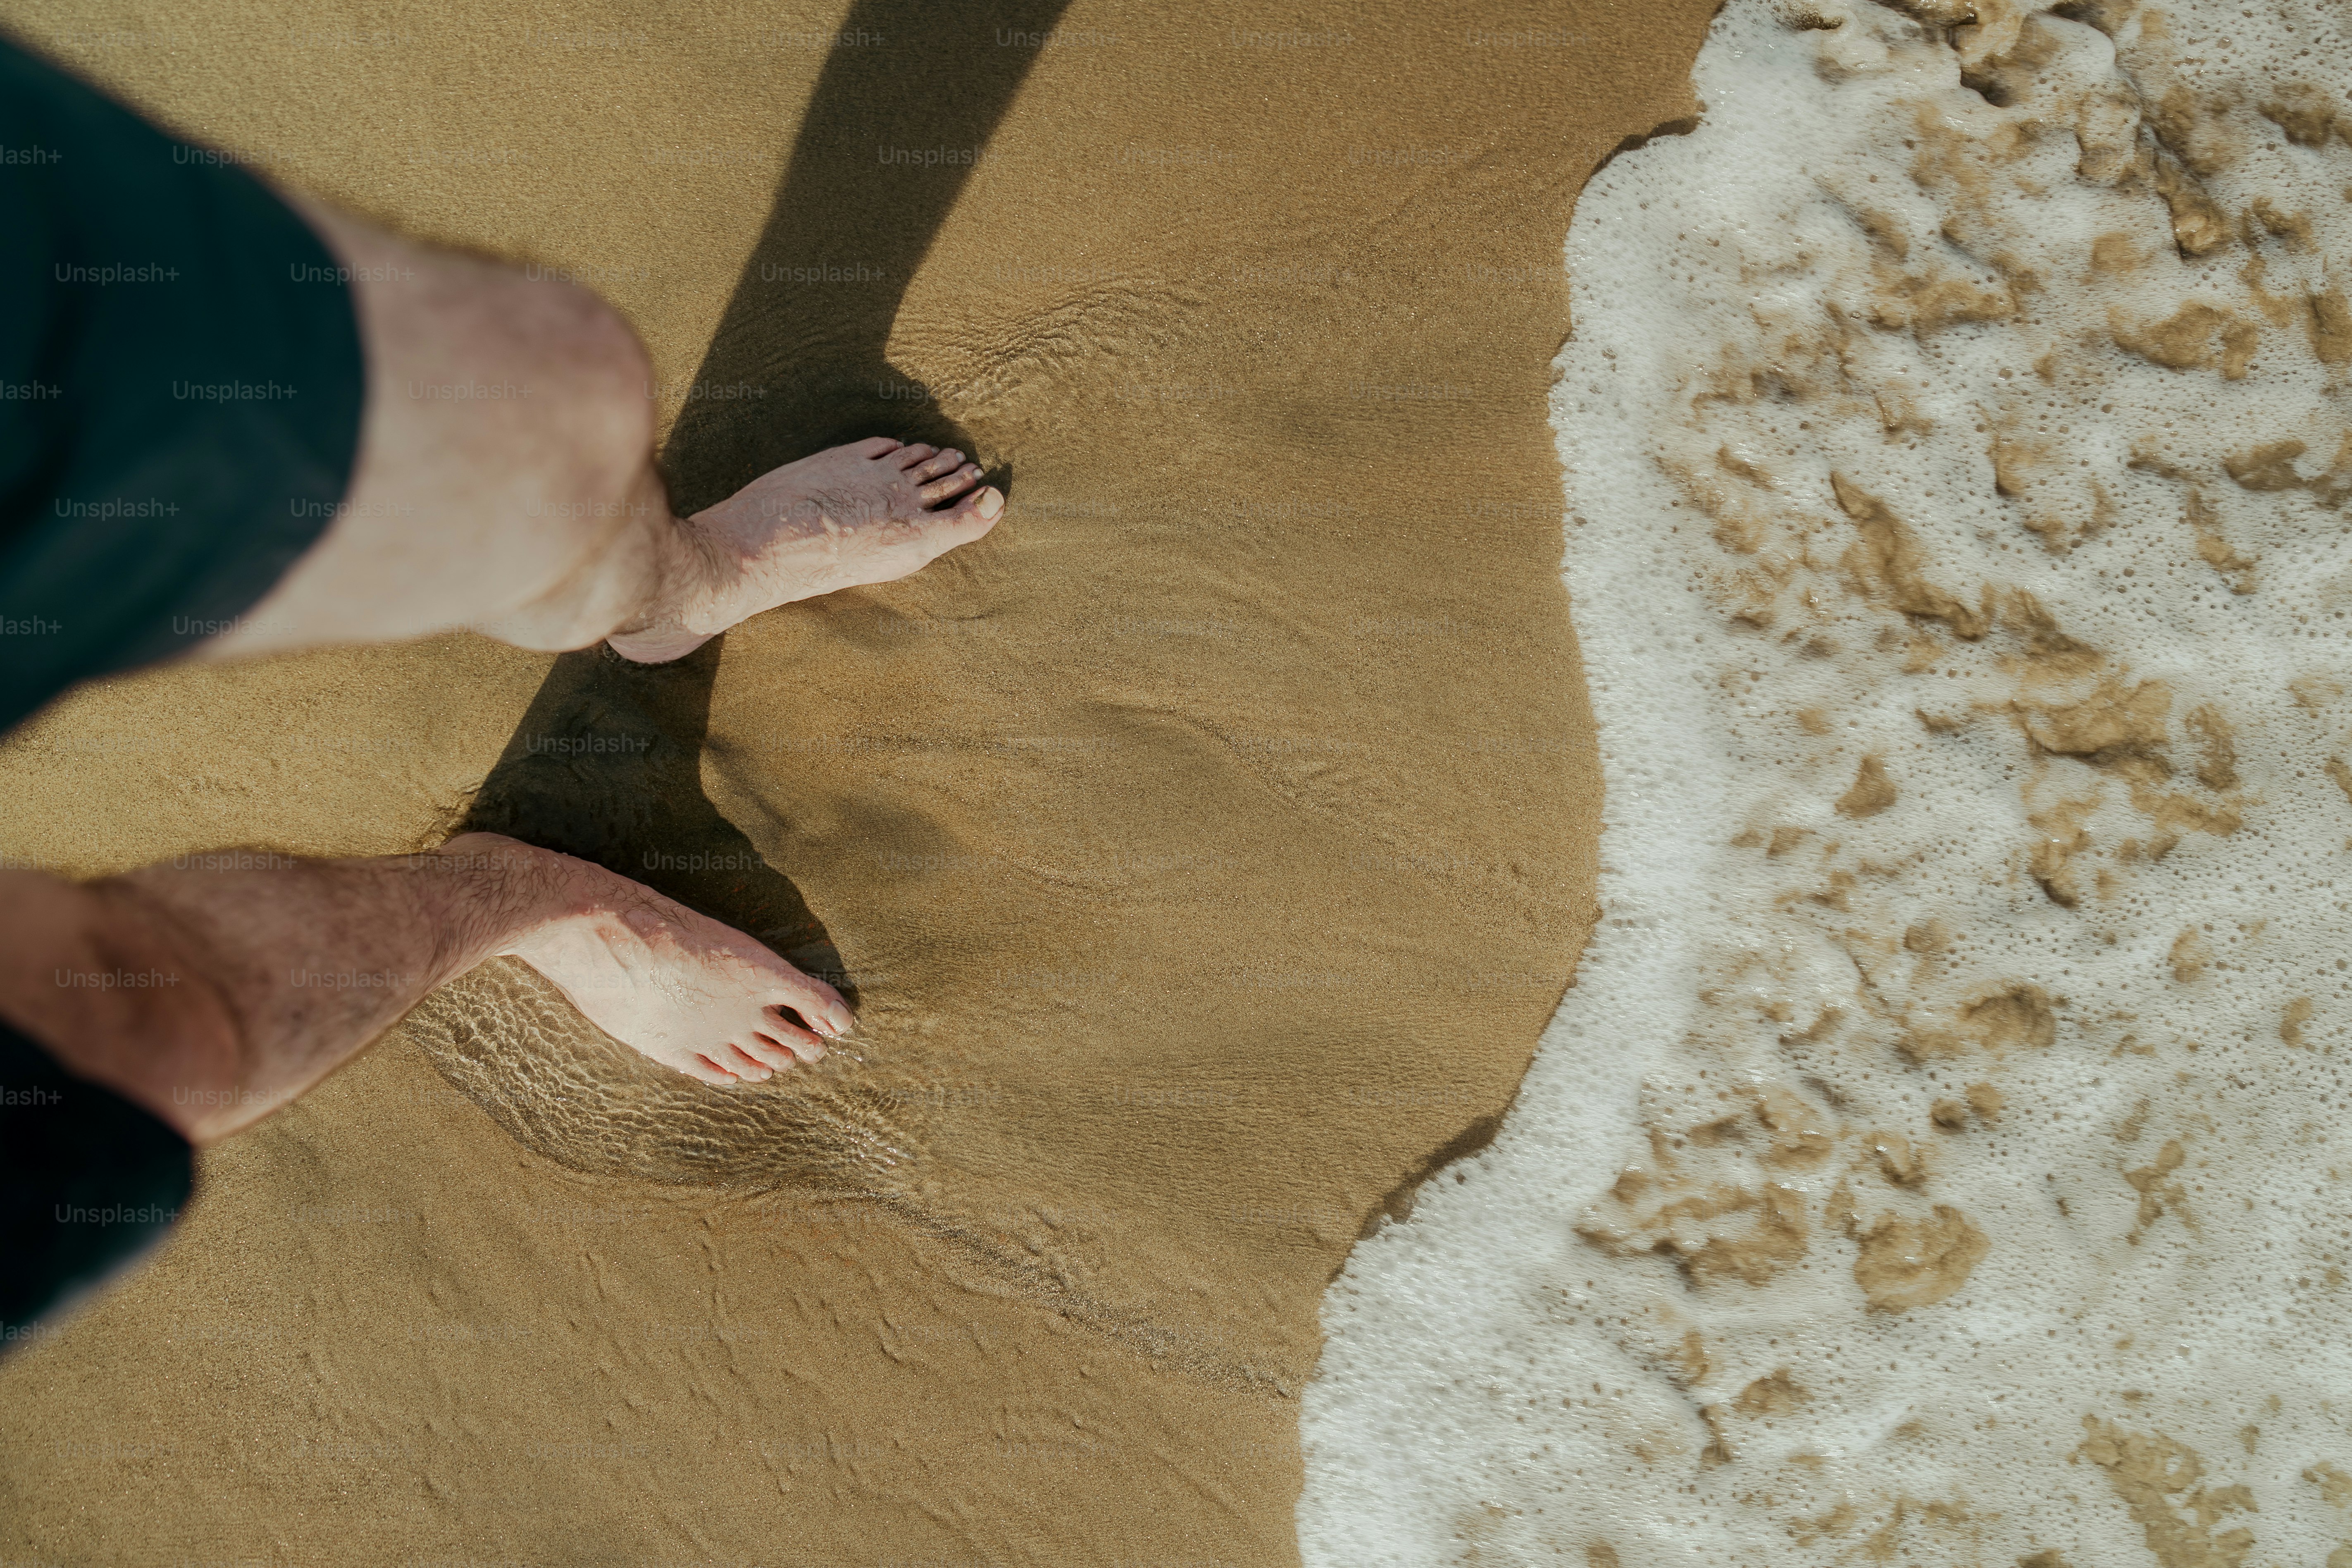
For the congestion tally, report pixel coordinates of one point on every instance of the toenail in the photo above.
(991, 503)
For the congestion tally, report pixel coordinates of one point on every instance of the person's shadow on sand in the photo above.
(607, 763)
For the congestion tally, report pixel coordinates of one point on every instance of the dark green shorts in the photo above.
(88, 1182)
(180, 387)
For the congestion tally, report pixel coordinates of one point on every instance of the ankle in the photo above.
(693, 575)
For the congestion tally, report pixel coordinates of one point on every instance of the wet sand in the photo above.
(1206, 849)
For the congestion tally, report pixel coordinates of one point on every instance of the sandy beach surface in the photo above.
(1206, 849)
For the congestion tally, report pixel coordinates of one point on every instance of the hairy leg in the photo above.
(214, 995)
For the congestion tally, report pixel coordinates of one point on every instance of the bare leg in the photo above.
(213, 997)
(505, 482)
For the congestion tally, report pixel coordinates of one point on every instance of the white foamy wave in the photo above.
(1941, 1158)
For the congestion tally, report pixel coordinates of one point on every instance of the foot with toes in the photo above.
(678, 986)
(871, 512)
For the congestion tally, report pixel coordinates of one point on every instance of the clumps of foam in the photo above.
(1942, 1157)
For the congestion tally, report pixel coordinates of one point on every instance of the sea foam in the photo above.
(1942, 1155)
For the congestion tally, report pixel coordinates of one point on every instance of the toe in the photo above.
(966, 521)
(767, 1051)
(709, 1071)
(910, 457)
(825, 1008)
(933, 467)
(874, 445)
(954, 485)
(786, 1032)
(744, 1064)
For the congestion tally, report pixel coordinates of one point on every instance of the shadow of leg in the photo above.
(606, 764)
(607, 767)
(876, 168)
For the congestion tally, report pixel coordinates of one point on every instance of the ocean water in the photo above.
(1943, 1156)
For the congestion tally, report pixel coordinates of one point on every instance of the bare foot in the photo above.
(868, 513)
(687, 992)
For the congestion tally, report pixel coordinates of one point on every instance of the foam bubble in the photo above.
(1940, 1158)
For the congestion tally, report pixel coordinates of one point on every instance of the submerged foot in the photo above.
(870, 511)
(678, 986)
